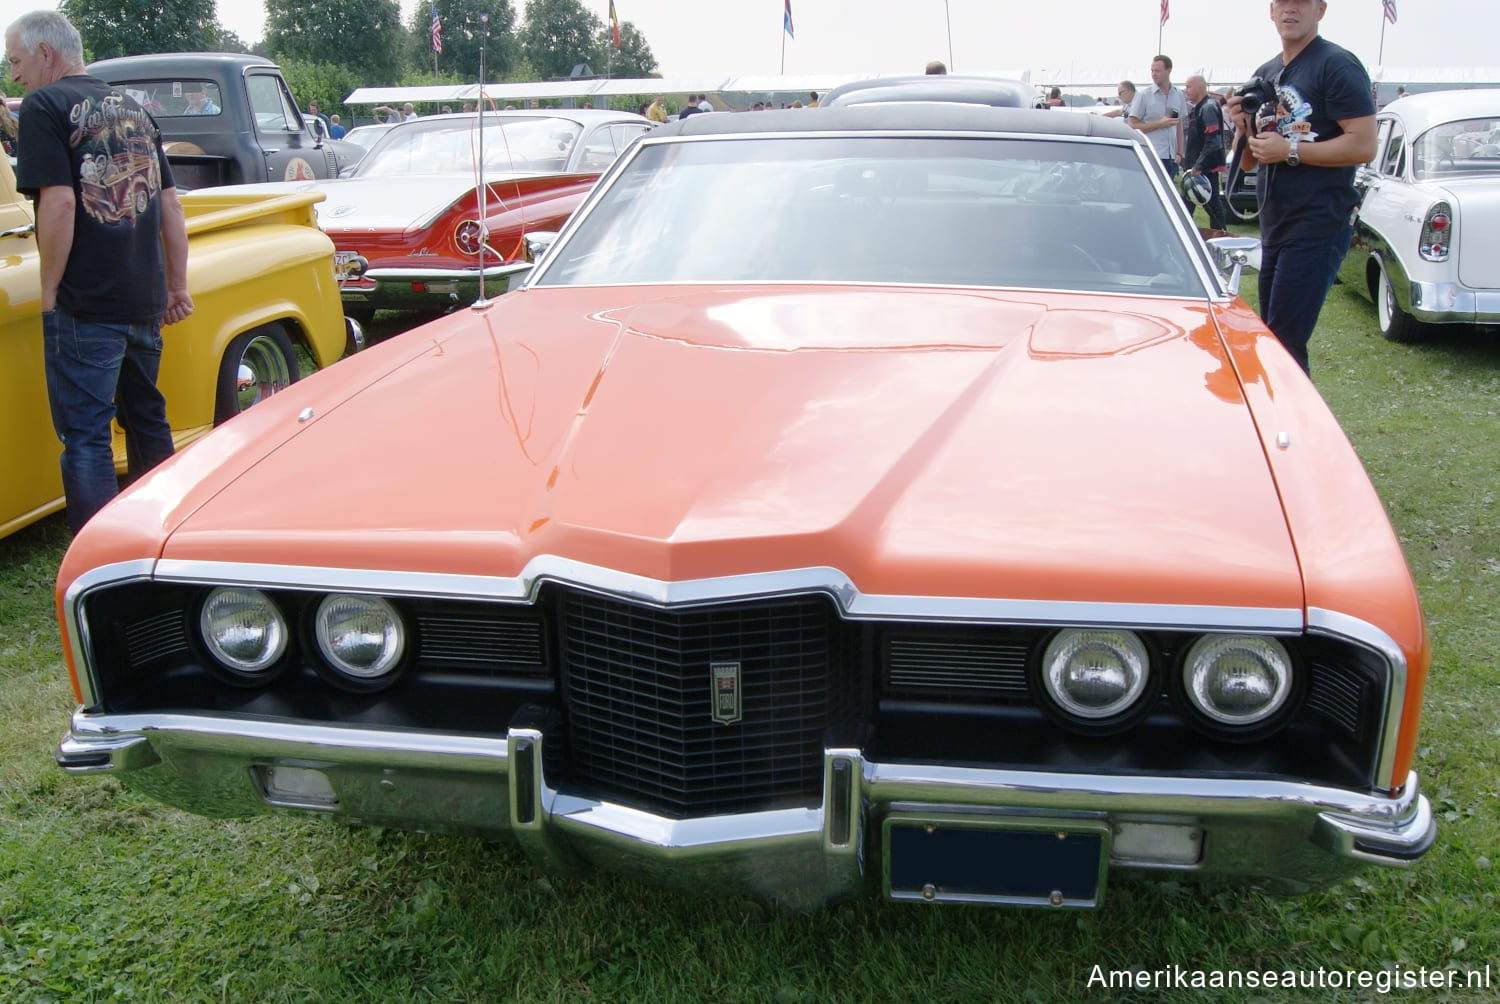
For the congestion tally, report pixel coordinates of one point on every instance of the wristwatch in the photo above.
(1291, 155)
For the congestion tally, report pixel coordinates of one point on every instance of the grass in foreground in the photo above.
(108, 896)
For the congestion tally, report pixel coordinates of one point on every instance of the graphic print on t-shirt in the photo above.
(118, 175)
(1291, 115)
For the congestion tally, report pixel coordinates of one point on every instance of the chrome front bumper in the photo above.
(1283, 835)
(428, 288)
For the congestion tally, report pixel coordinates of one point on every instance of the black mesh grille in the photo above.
(987, 662)
(156, 637)
(640, 698)
(1338, 693)
(480, 638)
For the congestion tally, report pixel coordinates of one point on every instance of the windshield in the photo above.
(934, 210)
(449, 146)
(1471, 146)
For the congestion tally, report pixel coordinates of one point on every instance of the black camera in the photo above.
(1256, 92)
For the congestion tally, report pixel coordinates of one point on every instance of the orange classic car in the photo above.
(851, 500)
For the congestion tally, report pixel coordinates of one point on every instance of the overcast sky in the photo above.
(740, 37)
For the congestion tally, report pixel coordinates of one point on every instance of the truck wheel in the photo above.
(1396, 325)
(257, 364)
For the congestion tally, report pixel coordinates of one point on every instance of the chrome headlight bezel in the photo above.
(1139, 691)
(236, 670)
(386, 665)
(1192, 686)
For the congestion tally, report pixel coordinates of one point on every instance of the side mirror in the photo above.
(1234, 254)
(537, 243)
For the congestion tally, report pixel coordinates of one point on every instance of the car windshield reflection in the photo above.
(930, 210)
(449, 146)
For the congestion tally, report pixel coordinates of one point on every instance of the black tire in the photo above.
(258, 363)
(364, 315)
(1396, 325)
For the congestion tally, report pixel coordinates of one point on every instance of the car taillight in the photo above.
(1437, 233)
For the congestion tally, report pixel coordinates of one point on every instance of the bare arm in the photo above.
(1355, 146)
(55, 206)
(174, 245)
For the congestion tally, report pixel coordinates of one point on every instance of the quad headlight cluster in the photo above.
(358, 640)
(1103, 681)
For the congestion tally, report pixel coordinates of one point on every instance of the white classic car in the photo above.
(1426, 245)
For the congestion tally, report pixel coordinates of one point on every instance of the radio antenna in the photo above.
(484, 228)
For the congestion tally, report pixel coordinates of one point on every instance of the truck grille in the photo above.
(641, 694)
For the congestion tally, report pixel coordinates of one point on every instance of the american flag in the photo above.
(1390, 11)
(1165, 13)
(437, 33)
(786, 19)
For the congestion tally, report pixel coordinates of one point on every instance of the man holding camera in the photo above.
(1157, 111)
(1309, 122)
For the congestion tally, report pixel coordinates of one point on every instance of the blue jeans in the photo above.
(98, 371)
(1295, 278)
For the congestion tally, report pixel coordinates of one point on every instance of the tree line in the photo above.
(327, 48)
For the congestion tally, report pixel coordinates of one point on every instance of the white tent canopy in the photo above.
(457, 93)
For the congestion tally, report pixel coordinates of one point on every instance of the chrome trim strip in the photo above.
(1124, 792)
(77, 628)
(396, 274)
(853, 604)
(675, 837)
(1333, 624)
(269, 739)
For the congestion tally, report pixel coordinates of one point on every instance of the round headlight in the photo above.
(1095, 675)
(1237, 680)
(244, 631)
(361, 637)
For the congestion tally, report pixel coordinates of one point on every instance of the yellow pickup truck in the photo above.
(261, 275)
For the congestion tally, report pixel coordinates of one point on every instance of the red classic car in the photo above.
(408, 222)
(878, 498)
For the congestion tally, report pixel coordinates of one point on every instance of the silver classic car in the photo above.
(1426, 245)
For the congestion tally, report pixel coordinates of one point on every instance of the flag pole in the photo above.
(1380, 57)
(948, 17)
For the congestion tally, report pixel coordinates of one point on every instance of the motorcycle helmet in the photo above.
(1197, 188)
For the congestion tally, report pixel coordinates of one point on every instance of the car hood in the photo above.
(1048, 447)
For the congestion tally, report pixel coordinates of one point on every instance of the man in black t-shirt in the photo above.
(1307, 140)
(113, 247)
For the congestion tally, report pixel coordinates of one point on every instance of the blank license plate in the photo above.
(964, 861)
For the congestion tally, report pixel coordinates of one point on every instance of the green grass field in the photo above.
(105, 895)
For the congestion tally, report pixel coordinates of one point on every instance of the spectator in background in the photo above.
(937, 67)
(1126, 93)
(1308, 141)
(108, 281)
(1203, 145)
(813, 96)
(335, 130)
(197, 101)
(656, 111)
(312, 109)
(1158, 111)
(703, 105)
(691, 108)
(1054, 97)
